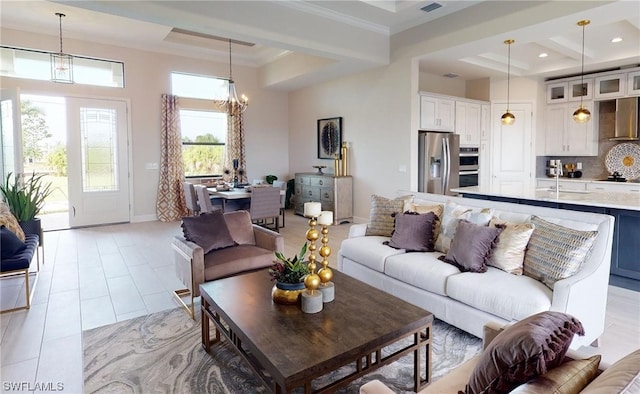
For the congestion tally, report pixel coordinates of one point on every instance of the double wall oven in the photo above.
(468, 172)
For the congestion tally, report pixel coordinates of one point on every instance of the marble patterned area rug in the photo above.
(162, 353)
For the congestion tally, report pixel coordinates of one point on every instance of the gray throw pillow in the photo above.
(414, 232)
(471, 246)
(556, 252)
(528, 348)
(381, 221)
(209, 231)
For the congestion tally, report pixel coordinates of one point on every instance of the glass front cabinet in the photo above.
(580, 89)
(610, 86)
(633, 83)
(557, 92)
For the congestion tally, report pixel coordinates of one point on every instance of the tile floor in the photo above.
(101, 275)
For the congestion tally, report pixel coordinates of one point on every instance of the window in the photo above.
(203, 142)
(32, 64)
(202, 124)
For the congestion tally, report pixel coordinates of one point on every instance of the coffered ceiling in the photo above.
(336, 38)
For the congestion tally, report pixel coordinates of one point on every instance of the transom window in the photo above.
(34, 64)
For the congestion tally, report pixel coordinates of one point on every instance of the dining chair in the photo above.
(204, 201)
(281, 185)
(191, 199)
(265, 204)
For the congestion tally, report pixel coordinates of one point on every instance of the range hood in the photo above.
(626, 119)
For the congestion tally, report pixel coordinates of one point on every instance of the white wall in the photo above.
(442, 85)
(377, 121)
(530, 91)
(147, 77)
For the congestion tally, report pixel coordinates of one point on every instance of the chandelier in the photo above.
(582, 115)
(232, 103)
(508, 118)
(61, 63)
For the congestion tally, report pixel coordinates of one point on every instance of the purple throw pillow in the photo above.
(413, 232)
(209, 231)
(471, 246)
(526, 349)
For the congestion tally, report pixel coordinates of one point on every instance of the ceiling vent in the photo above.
(209, 36)
(451, 75)
(431, 7)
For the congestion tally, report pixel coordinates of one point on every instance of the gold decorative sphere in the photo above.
(325, 274)
(325, 251)
(313, 234)
(312, 281)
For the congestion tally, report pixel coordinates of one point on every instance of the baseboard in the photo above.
(144, 218)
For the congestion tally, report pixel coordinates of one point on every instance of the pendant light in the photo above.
(61, 63)
(582, 115)
(508, 118)
(232, 103)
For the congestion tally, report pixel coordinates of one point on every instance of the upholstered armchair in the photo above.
(249, 247)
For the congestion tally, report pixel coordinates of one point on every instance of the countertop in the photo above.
(590, 180)
(618, 200)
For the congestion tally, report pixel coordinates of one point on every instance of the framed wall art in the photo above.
(329, 138)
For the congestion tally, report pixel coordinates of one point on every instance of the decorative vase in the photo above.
(287, 293)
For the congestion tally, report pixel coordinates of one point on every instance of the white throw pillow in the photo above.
(452, 214)
(508, 255)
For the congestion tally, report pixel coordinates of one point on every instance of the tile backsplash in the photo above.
(593, 167)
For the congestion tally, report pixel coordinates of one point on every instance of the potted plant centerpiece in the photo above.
(25, 197)
(289, 274)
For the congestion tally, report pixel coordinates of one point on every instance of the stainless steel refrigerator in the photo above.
(438, 162)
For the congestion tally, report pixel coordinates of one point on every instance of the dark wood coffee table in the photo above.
(287, 348)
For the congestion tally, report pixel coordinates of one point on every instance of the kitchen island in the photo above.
(624, 207)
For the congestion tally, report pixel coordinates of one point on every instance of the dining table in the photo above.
(239, 196)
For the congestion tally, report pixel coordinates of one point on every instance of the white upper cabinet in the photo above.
(597, 86)
(468, 123)
(437, 114)
(557, 92)
(565, 137)
(579, 89)
(485, 122)
(633, 83)
(610, 86)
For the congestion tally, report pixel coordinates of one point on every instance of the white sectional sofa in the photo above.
(469, 300)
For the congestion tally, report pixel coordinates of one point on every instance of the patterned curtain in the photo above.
(171, 204)
(235, 142)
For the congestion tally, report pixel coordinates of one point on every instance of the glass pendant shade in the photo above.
(582, 115)
(508, 118)
(61, 63)
(61, 68)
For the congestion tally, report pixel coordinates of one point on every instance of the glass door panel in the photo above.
(98, 162)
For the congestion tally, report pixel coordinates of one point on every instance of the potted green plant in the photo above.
(289, 274)
(25, 197)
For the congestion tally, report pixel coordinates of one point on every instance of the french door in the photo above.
(10, 133)
(98, 165)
